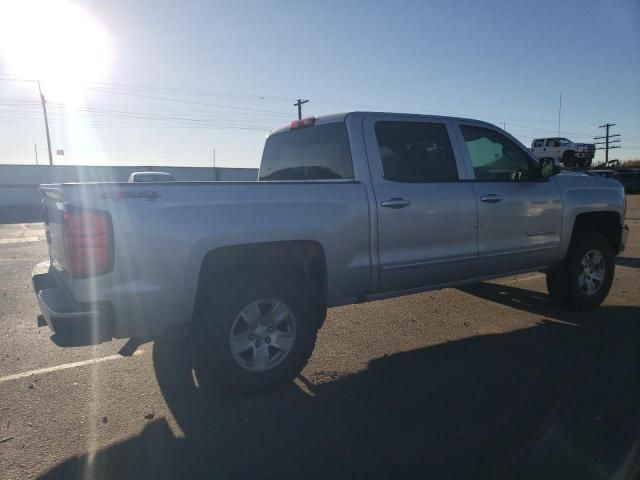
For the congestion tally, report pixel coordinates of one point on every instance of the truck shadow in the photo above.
(557, 400)
(632, 262)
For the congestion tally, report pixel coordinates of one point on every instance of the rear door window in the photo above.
(415, 152)
(311, 153)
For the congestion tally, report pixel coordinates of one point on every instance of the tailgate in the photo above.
(53, 211)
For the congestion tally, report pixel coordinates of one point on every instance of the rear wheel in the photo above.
(256, 332)
(583, 280)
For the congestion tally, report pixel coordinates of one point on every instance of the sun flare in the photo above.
(55, 41)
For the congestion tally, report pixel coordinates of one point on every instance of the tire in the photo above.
(555, 281)
(568, 284)
(569, 158)
(584, 162)
(220, 321)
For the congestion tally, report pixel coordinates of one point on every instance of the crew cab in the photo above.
(347, 208)
(570, 153)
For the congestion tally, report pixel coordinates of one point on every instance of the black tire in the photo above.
(220, 305)
(555, 282)
(563, 280)
(569, 158)
(584, 162)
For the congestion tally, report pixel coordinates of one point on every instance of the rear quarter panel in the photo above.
(162, 237)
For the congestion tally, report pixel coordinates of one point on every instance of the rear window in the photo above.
(311, 153)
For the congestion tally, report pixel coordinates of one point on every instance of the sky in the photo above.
(156, 82)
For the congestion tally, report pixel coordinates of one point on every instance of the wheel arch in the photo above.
(606, 223)
(304, 260)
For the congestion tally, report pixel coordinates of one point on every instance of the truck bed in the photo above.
(162, 231)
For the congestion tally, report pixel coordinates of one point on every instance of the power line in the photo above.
(112, 86)
(121, 113)
(203, 93)
(199, 119)
(178, 100)
(116, 88)
(584, 134)
(66, 111)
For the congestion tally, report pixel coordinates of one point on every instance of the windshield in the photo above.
(565, 141)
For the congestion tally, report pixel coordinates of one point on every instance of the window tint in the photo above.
(415, 152)
(539, 143)
(494, 156)
(311, 153)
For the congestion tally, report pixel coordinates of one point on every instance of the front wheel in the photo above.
(569, 159)
(583, 280)
(585, 162)
(256, 333)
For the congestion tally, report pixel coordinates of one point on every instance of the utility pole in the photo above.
(606, 144)
(559, 113)
(299, 104)
(46, 122)
(35, 147)
(215, 171)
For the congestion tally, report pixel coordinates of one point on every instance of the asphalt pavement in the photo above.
(486, 381)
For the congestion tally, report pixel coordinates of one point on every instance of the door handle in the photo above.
(491, 198)
(395, 203)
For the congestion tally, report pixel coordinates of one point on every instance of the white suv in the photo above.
(569, 153)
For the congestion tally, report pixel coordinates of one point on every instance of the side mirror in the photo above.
(548, 167)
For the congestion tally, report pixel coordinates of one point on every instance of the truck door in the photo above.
(426, 216)
(552, 148)
(519, 214)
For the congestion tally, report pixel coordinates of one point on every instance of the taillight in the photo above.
(87, 243)
(305, 122)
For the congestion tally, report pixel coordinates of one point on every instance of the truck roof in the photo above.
(341, 117)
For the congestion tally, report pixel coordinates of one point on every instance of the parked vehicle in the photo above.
(348, 208)
(569, 153)
(603, 173)
(136, 177)
(629, 178)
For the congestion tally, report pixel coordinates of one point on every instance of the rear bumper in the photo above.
(72, 323)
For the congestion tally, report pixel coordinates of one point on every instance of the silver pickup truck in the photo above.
(347, 208)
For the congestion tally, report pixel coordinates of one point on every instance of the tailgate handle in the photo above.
(396, 203)
(491, 198)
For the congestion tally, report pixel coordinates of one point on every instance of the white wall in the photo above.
(19, 183)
